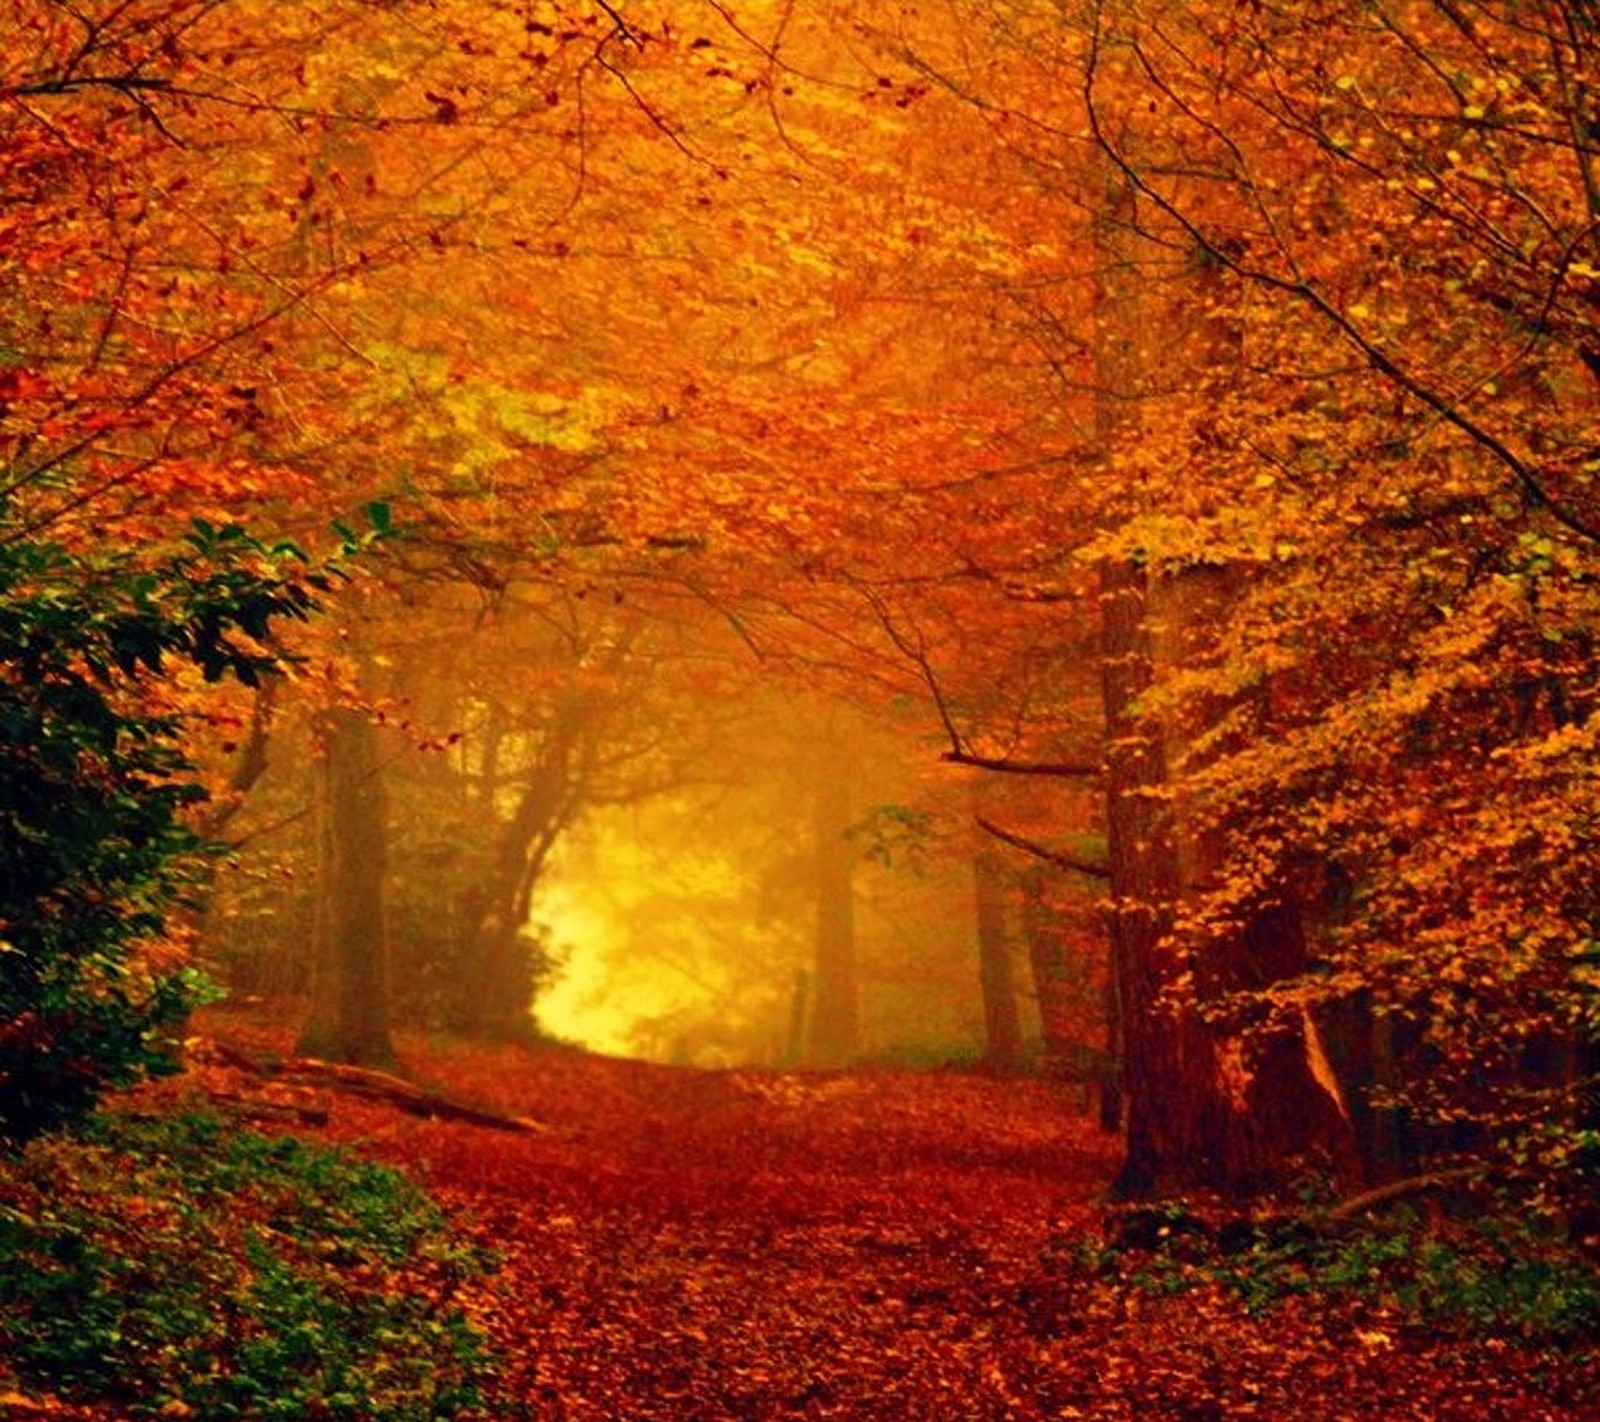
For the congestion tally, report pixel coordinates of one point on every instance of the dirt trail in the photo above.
(880, 1246)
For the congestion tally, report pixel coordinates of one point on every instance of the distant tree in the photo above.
(348, 1016)
(1002, 1017)
(834, 1031)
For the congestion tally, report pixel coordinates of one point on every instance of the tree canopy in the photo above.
(1181, 416)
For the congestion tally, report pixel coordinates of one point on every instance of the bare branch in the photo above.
(1057, 769)
(1092, 868)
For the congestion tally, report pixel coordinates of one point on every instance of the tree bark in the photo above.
(1233, 1107)
(1002, 1020)
(1239, 1106)
(1050, 968)
(348, 1020)
(1165, 1070)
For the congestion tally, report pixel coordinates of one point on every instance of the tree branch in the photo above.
(1400, 1189)
(1058, 769)
(1301, 287)
(1092, 868)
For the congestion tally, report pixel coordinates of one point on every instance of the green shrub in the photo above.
(95, 846)
(180, 1264)
(1504, 1272)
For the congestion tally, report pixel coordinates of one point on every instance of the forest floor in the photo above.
(880, 1245)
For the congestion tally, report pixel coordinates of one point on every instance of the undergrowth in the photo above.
(1499, 1272)
(181, 1267)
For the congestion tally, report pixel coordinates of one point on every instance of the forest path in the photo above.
(874, 1245)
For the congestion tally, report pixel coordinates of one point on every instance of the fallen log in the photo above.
(258, 1109)
(390, 1090)
(382, 1087)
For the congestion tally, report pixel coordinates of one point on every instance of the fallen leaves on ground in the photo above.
(690, 1244)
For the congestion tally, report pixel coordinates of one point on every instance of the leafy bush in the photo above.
(94, 846)
(1505, 1271)
(183, 1266)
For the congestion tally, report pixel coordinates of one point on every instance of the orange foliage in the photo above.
(810, 317)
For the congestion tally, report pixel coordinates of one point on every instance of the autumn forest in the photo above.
(799, 708)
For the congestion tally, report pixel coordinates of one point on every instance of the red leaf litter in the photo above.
(880, 1245)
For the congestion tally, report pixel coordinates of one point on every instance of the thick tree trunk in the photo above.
(1002, 1020)
(1236, 1108)
(1166, 1069)
(1359, 1047)
(1207, 1106)
(348, 1020)
(1113, 1110)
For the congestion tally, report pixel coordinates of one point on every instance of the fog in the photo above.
(638, 969)
(624, 833)
(682, 929)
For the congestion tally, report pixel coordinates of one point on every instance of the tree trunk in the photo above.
(249, 765)
(1050, 966)
(1078, 1020)
(794, 1045)
(1002, 1021)
(1235, 1108)
(1207, 1106)
(1166, 1069)
(834, 1034)
(501, 1001)
(348, 1019)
